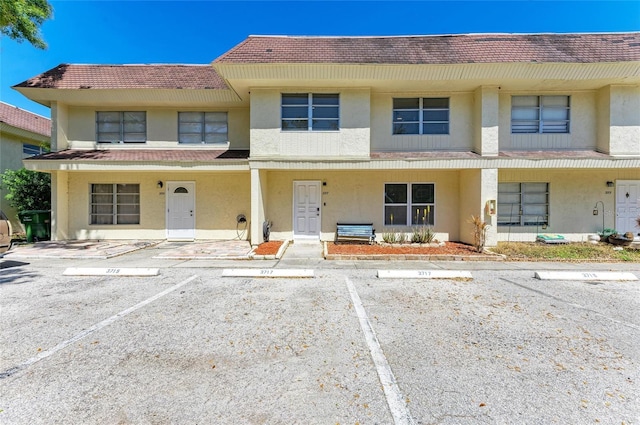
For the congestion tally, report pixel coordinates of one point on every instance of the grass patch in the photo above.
(529, 251)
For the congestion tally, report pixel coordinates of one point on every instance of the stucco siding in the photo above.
(359, 197)
(625, 121)
(162, 127)
(10, 159)
(572, 197)
(268, 140)
(460, 137)
(220, 197)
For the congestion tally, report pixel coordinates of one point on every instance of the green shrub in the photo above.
(422, 234)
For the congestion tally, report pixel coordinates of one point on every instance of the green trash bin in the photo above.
(37, 224)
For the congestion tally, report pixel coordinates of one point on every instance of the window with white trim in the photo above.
(409, 204)
(121, 127)
(523, 204)
(115, 203)
(202, 127)
(310, 112)
(540, 114)
(421, 115)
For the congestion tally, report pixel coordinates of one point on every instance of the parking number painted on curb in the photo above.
(424, 274)
(267, 273)
(562, 275)
(89, 271)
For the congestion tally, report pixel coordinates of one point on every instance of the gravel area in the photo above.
(191, 347)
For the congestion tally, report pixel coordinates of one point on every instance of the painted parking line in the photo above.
(395, 399)
(424, 274)
(92, 329)
(112, 271)
(609, 276)
(267, 273)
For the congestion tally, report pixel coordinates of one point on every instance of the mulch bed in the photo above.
(268, 248)
(450, 248)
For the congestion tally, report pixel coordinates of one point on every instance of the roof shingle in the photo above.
(445, 49)
(71, 76)
(24, 120)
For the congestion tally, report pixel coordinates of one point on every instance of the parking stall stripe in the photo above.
(92, 329)
(395, 399)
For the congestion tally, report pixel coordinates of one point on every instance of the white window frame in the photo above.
(310, 117)
(204, 131)
(422, 121)
(518, 204)
(117, 218)
(123, 133)
(541, 120)
(425, 214)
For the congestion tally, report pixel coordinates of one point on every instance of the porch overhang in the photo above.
(140, 160)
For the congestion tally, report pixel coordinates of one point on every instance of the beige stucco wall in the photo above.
(10, 159)
(583, 125)
(359, 197)
(220, 197)
(460, 137)
(625, 121)
(60, 126)
(269, 141)
(572, 197)
(477, 187)
(162, 127)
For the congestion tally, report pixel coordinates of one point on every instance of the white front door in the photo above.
(307, 197)
(181, 212)
(627, 205)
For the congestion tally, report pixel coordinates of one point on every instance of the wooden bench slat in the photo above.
(354, 232)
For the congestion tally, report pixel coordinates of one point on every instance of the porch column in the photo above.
(59, 205)
(478, 193)
(486, 120)
(258, 204)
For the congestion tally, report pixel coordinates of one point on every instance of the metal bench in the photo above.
(355, 232)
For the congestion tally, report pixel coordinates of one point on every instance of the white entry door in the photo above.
(181, 211)
(627, 205)
(307, 197)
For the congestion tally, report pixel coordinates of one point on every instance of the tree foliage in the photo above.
(21, 20)
(27, 190)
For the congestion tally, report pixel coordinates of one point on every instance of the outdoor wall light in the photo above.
(609, 184)
(159, 185)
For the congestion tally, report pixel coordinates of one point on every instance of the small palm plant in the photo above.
(480, 228)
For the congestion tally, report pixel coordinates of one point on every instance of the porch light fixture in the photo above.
(609, 184)
(159, 185)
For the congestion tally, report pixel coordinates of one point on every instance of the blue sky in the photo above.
(116, 32)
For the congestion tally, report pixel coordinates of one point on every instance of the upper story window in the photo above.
(202, 127)
(31, 150)
(415, 115)
(540, 114)
(310, 112)
(121, 127)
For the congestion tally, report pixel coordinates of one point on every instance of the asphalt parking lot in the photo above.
(189, 346)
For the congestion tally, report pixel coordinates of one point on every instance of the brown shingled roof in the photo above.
(445, 49)
(127, 155)
(70, 76)
(24, 120)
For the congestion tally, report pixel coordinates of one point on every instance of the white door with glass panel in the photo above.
(307, 196)
(627, 206)
(181, 212)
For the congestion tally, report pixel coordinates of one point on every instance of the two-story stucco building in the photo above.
(22, 134)
(527, 131)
